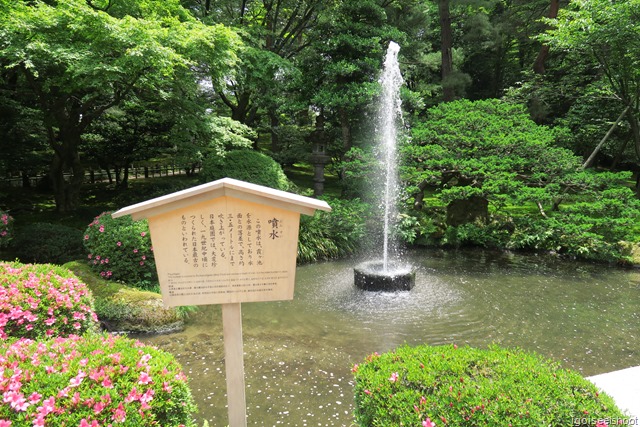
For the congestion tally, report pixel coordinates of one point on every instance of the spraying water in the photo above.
(389, 273)
(390, 115)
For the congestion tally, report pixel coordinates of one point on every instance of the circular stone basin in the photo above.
(371, 276)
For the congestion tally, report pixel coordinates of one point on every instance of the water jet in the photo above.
(388, 273)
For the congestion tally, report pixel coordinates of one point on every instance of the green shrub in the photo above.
(47, 243)
(473, 387)
(334, 234)
(6, 229)
(120, 249)
(43, 300)
(95, 380)
(245, 165)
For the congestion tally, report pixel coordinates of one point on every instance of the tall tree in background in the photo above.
(274, 33)
(538, 64)
(446, 49)
(607, 32)
(342, 67)
(80, 58)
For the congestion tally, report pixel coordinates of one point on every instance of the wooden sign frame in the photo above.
(226, 242)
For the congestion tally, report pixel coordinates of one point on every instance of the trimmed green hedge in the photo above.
(467, 387)
(245, 165)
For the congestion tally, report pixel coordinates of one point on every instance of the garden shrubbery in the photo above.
(334, 234)
(6, 229)
(47, 243)
(120, 249)
(43, 300)
(245, 165)
(446, 385)
(95, 380)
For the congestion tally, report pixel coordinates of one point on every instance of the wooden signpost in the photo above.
(226, 242)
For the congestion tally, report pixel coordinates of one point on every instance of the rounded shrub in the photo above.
(94, 380)
(245, 165)
(120, 249)
(47, 243)
(446, 385)
(43, 300)
(6, 229)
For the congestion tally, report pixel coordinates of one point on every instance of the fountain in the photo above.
(388, 273)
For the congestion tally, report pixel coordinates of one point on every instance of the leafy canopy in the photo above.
(486, 149)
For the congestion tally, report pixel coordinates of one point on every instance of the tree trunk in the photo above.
(446, 49)
(67, 160)
(346, 129)
(601, 143)
(538, 64)
(635, 131)
(275, 138)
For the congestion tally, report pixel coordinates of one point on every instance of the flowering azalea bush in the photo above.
(6, 228)
(120, 249)
(39, 300)
(464, 387)
(91, 381)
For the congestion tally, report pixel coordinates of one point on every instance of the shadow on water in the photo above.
(298, 354)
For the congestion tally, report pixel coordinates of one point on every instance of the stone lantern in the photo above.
(319, 157)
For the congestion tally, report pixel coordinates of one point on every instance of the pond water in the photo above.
(299, 353)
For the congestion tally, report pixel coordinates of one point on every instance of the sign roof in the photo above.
(220, 188)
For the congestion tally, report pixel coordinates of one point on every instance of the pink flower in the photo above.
(85, 423)
(101, 229)
(119, 243)
(48, 405)
(98, 407)
(144, 378)
(120, 414)
(428, 423)
(35, 398)
(166, 387)
(394, 377)
(143, 234)
(86, 237)
(5, 423)
(601, 423)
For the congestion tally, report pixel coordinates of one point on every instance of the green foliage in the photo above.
(487, 149)
(334, 234)
(466, 386)
(492, 150)
(43, 300)
(6, 229)
(245, 165)
(92, 380)
(96, 58)
(120, 249)
(593, 229)
(47, 243)
(357, 167)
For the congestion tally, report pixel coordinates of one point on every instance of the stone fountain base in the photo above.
(371, 276)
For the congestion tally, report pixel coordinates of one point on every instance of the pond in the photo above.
(299, 354)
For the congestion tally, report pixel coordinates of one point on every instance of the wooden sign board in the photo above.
(225, 242)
